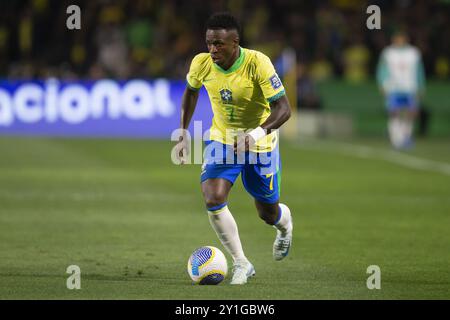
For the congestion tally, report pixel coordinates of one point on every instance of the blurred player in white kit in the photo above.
(401, 77)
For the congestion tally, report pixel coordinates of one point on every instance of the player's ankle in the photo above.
(284, 221)
(240, 260)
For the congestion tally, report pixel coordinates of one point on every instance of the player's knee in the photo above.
(214, 199)
(267, 212)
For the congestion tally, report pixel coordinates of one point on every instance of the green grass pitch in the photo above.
(129, 218)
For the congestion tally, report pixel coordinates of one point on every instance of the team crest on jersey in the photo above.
(226, 95)
(275, 81)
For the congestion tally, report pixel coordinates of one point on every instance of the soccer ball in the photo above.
(207, 265)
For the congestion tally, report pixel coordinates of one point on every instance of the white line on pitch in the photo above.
(377, 153)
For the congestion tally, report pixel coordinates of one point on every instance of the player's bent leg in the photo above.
(267, 211)
(215, 193)
(284, 226)
(278, 215)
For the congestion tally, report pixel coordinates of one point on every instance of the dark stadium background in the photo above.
(336, 52)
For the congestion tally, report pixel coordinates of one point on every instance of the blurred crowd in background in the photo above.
(158, 38)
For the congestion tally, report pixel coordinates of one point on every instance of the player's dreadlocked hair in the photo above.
(223, 20)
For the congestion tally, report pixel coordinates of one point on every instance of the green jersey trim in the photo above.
(235, 65)
(279, 181)
(277, 96)
(191, 87)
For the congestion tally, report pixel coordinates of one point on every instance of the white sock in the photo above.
(284, 221)
(407, 129)
(226, 229)
(396, 132)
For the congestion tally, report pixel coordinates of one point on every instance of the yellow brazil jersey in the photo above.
(239, 96)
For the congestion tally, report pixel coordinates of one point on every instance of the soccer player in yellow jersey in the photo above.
(249, 103)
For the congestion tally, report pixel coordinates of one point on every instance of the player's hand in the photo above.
(244, 143)
(182, 150)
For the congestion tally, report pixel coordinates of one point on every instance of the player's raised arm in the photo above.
(188, 103)
(273, 91)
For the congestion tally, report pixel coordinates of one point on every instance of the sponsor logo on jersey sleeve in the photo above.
(275, 81)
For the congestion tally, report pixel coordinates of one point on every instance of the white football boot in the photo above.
(283, 239)
(242, 270)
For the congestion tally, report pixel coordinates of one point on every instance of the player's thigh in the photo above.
(218, 174)
(262, 180)
(216, 182)
(215, 191)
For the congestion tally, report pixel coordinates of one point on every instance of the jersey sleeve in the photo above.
(268, 79)
(195, 76)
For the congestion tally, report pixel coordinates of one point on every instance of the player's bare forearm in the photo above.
(280, 113)
(188, 103)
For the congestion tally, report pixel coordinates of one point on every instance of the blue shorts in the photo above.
(398, 101)
(261, 172)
